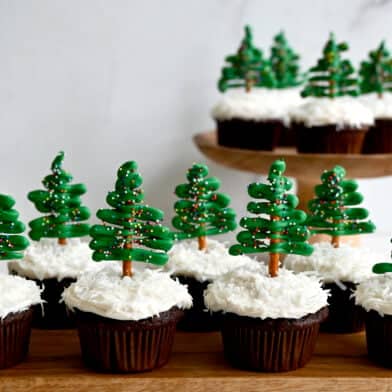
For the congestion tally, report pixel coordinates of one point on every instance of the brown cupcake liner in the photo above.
(379, 338)
(328, 139)
(249, 134)
(379, 138)
(116, 346)
(197, 318)
(287, 136)
(15, 330)
(344, 315)
(52, 314)
(270, 345)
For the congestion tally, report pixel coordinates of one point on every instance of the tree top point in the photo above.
(57, 161)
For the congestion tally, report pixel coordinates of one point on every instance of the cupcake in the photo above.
(126, 318)
(332, 120)
(261, 308)
(57, 256)
(201, 212)
(374, 295)
(247, 118)
(340, 266)
(376, 78)
(18, 295)
(285, 65)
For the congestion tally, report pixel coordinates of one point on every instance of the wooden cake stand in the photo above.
(305, 168)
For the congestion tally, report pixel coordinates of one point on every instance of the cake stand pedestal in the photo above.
(305, 168)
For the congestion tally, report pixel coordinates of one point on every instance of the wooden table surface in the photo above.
(197, 364)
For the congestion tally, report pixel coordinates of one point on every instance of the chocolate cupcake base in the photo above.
(379, 338)
(330, 140)
(197, 318)
(116, 346)
(15, 330)
(270, 345)
(379, 138)
(344, 315)
(53, 314)
(249, 134)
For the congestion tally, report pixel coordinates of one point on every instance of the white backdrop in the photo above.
(115, 80)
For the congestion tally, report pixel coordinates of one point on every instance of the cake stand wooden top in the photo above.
(298, 165)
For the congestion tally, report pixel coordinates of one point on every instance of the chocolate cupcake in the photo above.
(57, 256)
(374, 296)
(126, 324)
(196, 269)
(268, 324)
(341, 270)
(379, 138)
(16, 313)
(333, 120)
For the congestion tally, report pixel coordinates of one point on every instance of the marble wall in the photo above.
(114, 80)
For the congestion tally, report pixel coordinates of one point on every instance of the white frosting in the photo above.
(341, 111)
(47, 259)
(259, 104)
(17, 294)
(376, 294)
(343, 264)
(250, 292)
(380, 107)
(106, 293)
(186, 259)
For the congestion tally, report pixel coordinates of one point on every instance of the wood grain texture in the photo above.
(197, 364)
(302, 166)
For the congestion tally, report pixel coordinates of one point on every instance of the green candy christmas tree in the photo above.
(132, 230)
(284, 63)
(11, 244)
(279, 227)
(376, 73)
(247, 68)
(331, 76)
(382, 268)
(201, 210)
(332, 212)
(62, 205)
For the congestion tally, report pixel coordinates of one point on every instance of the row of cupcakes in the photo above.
(135, 307)
(335, 112)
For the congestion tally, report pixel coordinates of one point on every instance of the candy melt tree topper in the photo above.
(331, 211)
(61, 202)
(281, 228)
(201, 210)
(11, 243)
(247, 68)
(382, 268)
(376, 73)
(332, 76)
(132, 230)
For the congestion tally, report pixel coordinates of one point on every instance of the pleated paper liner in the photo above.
(344, 316)
(197, 318)
(249, 134)
(116, 346)
(329, 139)
(270, 345)
(15, 330)
(379, 338)
(379, 138)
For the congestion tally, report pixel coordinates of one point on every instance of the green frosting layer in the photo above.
(201, 210)
(376, 73)
(284, 62)
(11, 244)
(132, 230)
(331, 76)
(62, 205)
(247, 68)
(281, 228)
(331, 211)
